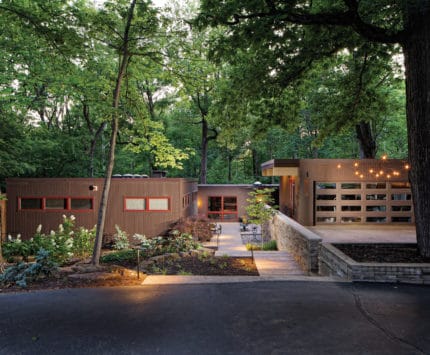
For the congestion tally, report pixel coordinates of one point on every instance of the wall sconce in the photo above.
(94, 188)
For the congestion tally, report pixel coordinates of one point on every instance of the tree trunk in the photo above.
(204, 152)
(229, 161)
(115, 118)
(416, 49)
(366, 140)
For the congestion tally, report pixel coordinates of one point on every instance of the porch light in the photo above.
(339, 166)
(407, 167)
(384, 157)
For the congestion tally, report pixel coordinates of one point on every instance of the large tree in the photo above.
(302, 31)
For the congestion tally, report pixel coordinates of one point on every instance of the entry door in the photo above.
(222, 208)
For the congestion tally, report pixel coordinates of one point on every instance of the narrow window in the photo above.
(158, 204)
(56, 203)
(30, 203)
(135, 204)
(81, 204)
(351, 208)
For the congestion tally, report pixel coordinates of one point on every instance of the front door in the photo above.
(222, 208)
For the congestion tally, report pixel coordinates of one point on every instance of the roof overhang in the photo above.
(280, 167)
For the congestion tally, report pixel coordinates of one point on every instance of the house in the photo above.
(339, 191)
(226, 202)
(136, 204)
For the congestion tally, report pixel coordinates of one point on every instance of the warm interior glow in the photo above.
(371, 171)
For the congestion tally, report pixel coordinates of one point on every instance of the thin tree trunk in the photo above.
(93, 148)
(416, 49)
(115, 118)
(366, 140)
(229, 161)
(204, 152)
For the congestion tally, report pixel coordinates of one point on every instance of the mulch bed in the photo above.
(383, 253)
(224, 266)
(227, 266)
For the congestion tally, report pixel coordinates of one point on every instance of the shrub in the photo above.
(62, 244)
(23, 273)
(270, 245)
(197, 226)
(120, 256)
(16, 247)
(120, 239)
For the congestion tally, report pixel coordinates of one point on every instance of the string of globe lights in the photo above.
(378, 169)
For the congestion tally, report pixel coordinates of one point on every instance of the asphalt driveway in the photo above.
(236, 318)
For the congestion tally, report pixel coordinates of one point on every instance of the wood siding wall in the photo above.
(150, 223)
(239, 191)
(312, 172)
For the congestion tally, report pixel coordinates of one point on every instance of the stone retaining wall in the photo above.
(302, 243)
(333, 262)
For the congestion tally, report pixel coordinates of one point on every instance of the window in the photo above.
(56, 203)
(222, 207)
(230, 204)
(401, 219)
(30, 203)
(146, 203)
(326, 197)
(350, 219)
(135, 204)
(381, 208)
(376, 185)
(376, 197)
(401, 197)
(351, 208)
(81, 204)
(401, 208)
(376, 219)
(351, 197)
(326, 219)
(351, 186)
(326, 208)
(325, 185)
(158, 204)
(400, 185)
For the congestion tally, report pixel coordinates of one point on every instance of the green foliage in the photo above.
(175, 243)
(22, 273)
(128, 256)
(259, 207)
(197, 226)
(267, 246)
(63, 244)
(120, 239)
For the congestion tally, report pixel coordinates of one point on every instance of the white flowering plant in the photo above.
(63, 244)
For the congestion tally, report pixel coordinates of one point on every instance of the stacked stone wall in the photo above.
(302, 243)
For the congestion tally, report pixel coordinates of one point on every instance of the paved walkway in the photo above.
(365, 233)
(269, 263)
